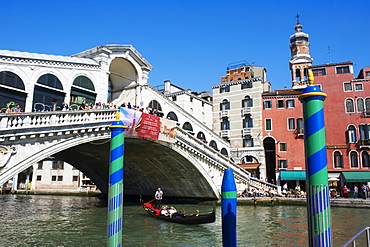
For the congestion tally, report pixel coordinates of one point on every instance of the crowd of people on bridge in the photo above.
(16, 108)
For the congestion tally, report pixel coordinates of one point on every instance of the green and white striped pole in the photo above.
(318, 198)
(115, 194)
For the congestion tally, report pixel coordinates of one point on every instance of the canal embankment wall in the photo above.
(334, 202)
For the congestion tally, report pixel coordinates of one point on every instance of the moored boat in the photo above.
(181, 218)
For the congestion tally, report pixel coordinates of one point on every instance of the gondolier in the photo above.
(158, 198)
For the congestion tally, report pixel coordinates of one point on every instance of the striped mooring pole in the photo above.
(318, 198)
(228, 208)
(115, 194)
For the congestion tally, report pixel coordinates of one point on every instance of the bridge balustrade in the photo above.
(11, 121)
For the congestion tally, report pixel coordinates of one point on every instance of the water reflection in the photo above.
(81, 221)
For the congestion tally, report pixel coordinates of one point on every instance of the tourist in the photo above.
(164, 211)
(158, 198)
(345, 191)
(355, 192)
(83, 105)
(171, 211)
(364, 191)
(65, 106)
(9, 108)
(17, 109)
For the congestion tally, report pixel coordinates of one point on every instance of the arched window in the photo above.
(213, 144)
(11, 89)
(305, 74)
(354, 159)
(225, 105)
(224, 152)
(171, 115)
(338, 160)
(201, 136)
(349, 106)
(187, 126)
(360, 105)
(155, 105)
(365, 159)
(83, 89)
(364, 131)
(248, 159)
(367, 105)
(48, 94)
(298, 75)
(248, 122)
(247, 102)
(352, 134)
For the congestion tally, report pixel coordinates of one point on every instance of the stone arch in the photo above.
(187, 126)
(224, 151)
(171, 115)
(122, 74)
(48, 93)
(82, 88)
(12, 89)
(213, 145)
(201, 136)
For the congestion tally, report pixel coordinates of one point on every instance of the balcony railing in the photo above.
(246, 110)
(365, 143)
(300, 132)
(247, 131)
(366, 113)
(224, 134)
(224, 113)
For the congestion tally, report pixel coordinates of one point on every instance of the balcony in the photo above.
(365, 143)
(224, 134)
(224, 114)
(247, 131)
(246, 110)
(300, 132)
(367, 113)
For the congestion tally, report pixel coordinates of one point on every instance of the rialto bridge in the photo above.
(186, 168)
(192, 166)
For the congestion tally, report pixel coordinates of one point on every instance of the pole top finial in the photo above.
(310, 78)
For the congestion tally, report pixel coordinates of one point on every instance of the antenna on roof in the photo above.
(329, 53)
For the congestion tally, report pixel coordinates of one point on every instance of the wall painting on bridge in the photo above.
(148, 126)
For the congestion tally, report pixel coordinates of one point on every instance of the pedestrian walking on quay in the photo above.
(345, 191)
(355, 192)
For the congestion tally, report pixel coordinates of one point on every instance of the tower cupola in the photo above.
(300, 57)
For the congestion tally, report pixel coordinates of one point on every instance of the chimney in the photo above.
(167, 87)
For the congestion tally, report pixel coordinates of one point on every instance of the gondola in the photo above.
(190, 219)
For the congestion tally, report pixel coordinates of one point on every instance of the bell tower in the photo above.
(300, 57)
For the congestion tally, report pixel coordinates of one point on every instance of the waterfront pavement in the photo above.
(334, 202)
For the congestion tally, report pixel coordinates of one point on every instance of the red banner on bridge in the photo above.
(148, 126)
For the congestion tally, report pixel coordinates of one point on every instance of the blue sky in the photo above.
(192, 42)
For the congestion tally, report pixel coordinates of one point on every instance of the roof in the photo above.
(331, 65)
(38, 56)
(283, 92)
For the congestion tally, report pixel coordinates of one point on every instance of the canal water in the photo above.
(81, 221)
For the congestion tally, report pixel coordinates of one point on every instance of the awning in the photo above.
(363, 176)
(333, 176)
(292, 175)
(250, 166)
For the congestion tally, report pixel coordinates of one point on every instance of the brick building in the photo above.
(347, 119)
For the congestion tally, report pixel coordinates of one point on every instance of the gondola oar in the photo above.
(139, 208)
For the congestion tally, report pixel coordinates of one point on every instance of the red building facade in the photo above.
(347, 121)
